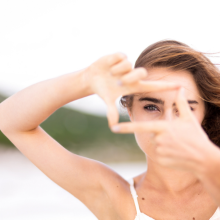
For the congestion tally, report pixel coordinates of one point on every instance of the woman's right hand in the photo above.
(112, 76)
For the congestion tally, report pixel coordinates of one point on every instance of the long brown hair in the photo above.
(178, 56)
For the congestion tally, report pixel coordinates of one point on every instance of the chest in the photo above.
(199, 207)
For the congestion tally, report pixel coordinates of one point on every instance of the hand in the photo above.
(112, 76)
(179, 144)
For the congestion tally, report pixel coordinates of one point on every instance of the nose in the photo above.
(168, 115)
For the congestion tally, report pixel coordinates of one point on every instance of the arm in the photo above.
(20, 117)
(21, 114)
(30, 107)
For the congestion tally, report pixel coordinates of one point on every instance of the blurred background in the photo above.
(42, 39)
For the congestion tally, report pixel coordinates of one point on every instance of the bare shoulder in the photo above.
(117, 201)
(119, 193)
(95, 184)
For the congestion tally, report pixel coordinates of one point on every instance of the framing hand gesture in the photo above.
(181, 143)
(112, 76)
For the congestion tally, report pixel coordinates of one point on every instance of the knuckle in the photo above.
(123, 67)
(116, 55)
(109, 59)
(128, 65)
(125, 78)
(119, 56)
(142, 72)
(113, 70)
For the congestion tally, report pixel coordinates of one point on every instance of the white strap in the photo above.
(134, 195)
(216, 215)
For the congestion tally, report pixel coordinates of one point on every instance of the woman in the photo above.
(182, 180)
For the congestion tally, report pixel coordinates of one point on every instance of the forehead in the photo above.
(181, 77)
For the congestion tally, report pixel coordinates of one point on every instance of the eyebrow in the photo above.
(154, 100)
(160, 101)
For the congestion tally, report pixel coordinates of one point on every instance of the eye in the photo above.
(192, 108)
(151, 108)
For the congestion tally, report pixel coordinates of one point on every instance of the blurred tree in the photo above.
(80, 132)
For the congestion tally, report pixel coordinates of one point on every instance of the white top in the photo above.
(142, 216)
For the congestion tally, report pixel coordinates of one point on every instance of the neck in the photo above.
(169, 180)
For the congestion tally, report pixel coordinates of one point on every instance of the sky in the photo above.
(42, 39)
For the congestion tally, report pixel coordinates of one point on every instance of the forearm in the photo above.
(25, 110)
(210, 175)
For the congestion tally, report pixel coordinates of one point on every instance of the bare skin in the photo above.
(102, 190)
(174, 186)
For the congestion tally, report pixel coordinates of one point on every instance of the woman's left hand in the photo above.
(179, 144)
(182, 144)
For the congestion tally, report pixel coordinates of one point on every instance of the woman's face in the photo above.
(161, 105)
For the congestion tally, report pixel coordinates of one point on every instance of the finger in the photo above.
(166, 151)
(182, 104)
(165, 161)
(121, 68)
(154, 86)
(115, 58)
(139, 127)
(134, 76)
(112, 114)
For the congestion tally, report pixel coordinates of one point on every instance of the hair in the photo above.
(176, 56)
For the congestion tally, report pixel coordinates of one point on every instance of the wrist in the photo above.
(85, 81)
(70, 87)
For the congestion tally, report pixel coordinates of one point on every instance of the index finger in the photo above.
(182, 104)
(132, 127)
(153, 86)
(115, 58)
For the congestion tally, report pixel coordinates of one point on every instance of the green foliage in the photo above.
(74, 129)
(3, 139)
(87, 135)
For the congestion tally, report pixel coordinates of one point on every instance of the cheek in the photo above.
(147, 116)
(200, 118)
(139, 114)
(143, 141)
(200, 115)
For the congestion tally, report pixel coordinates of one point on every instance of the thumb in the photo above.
(112, 114)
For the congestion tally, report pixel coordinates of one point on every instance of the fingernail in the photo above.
(115, 128)
(119, 83)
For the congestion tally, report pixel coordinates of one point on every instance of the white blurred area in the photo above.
(41, 39)
(27, 194)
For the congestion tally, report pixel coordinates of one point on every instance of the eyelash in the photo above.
(151, 106)
(154, 106)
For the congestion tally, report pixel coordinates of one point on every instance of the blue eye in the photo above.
(151, 108)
